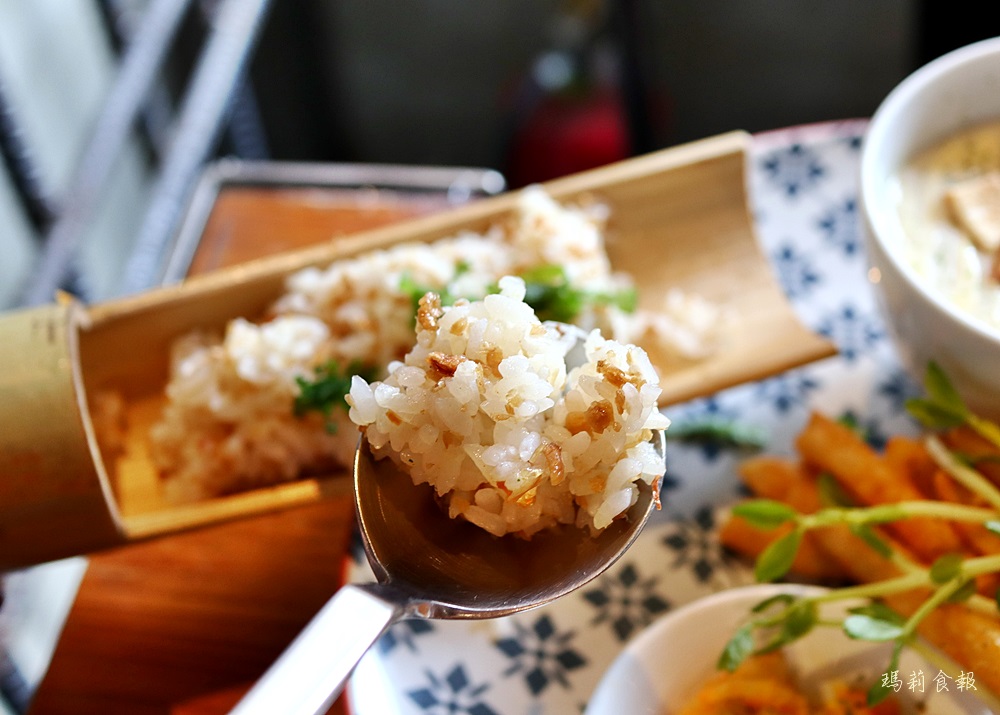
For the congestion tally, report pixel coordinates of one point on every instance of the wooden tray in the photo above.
(679, 219)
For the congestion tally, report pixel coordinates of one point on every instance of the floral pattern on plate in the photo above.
(803, 191)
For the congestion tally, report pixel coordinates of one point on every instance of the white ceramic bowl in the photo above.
(955, 91)
(663, 667)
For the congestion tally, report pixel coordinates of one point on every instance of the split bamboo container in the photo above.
(679, 218)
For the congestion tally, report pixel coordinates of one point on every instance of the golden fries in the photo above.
(987, 457)
(785, 481)
(810, 562)
(832, 448)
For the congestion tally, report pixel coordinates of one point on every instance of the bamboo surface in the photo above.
(183, 623)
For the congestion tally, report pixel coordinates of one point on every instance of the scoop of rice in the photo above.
(491, 410)
(228, 423)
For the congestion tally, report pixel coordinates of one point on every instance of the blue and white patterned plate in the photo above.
(803, 187)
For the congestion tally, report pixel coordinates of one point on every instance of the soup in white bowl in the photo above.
(949, 206)
(921, 297)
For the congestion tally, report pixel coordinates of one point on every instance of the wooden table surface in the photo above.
(184, 624)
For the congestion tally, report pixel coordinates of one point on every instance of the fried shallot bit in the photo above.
(597, 418)
(598, 483)
(554, 462)
(494, 355)
(459, 326)
(615, 375)
(443, 364)
(429, 310)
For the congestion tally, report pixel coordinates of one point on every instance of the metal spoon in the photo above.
(429, 566)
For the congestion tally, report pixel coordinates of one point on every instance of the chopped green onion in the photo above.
(329, 389)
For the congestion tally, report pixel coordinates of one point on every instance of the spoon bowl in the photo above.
(459, 570)
(428, 565)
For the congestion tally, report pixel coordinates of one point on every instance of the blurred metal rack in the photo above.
(234, 28)
(451, 186)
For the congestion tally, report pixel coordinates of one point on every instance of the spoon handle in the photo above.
(309, 675)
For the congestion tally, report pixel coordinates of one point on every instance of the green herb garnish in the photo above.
(720, 433)
(547, 289)
(410, 287)
(329, 389)
(416, 291)
(549, 292)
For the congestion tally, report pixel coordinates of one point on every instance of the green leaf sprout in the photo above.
(776, 560)
(739, 648)
(549, 291)
(869, 626)
(765, 513)
(943, 408)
